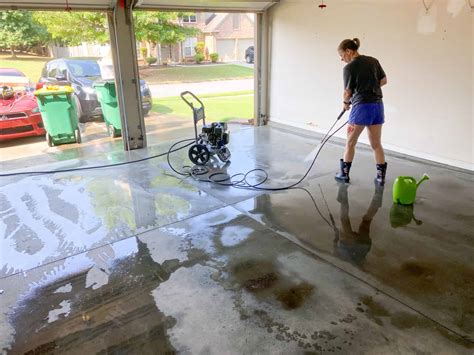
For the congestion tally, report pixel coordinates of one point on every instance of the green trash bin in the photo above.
(107, 96)
(58, 111)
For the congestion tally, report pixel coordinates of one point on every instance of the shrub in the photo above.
(199, 57)
(143, 51)
(150, 60)
(199, 48)
(214, 57)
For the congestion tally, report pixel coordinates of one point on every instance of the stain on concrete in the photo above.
(295, 296)
(260, 283)
(374, 310)
(416, 268)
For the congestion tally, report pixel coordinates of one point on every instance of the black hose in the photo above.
(99, 166)
(240, 180)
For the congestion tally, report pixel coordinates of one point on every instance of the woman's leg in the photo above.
(353, 133)
(375, 134)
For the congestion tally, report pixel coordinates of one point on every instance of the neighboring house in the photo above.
(228, 34)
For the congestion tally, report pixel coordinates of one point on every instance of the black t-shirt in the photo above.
(362, 76)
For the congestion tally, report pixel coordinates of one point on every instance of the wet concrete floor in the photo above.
(135, 259)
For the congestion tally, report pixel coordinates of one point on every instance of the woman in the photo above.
(363, 79)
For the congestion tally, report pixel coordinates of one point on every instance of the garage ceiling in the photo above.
(195, 5)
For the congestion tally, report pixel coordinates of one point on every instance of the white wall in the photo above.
(428, 58)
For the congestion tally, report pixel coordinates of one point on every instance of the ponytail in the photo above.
(352, 44)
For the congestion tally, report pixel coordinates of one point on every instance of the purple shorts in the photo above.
(367, 114)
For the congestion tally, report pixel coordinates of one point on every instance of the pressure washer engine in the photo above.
(213, 137)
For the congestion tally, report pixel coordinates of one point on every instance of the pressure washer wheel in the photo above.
(224, 154)
(199, 154)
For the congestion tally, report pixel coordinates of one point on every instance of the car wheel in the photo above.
(145, 112)
(49, 140)
(77, 136)
(80, 115)
(248, 59)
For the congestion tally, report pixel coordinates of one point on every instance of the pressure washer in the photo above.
(213, 140)
(213, 137)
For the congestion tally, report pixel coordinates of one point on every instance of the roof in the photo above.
(217, 21)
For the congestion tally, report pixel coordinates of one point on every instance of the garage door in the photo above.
(214, 5)
(243, 45)
(226, 49)
(57, 4)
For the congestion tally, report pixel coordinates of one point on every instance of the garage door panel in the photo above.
(57, 4)
(243, 45)
(196, 5)
(226, 49)
(214, 5)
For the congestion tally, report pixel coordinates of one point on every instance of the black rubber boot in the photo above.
(381, 171)
(343, 174)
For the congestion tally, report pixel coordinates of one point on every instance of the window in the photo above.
(62, 69)
(52, 70)
(189, 45)
(189, 19)
(84, 68)
(236, 21)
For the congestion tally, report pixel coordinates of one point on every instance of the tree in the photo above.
(19, 29)
(161, 27)
(73, 28)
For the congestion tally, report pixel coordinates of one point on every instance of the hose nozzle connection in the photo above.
(341, 114)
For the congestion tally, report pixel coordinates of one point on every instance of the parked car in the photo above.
(80, 73)
(249, 54)
(19, 113)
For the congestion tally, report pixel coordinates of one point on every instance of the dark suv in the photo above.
(249, 55)
(80, 73)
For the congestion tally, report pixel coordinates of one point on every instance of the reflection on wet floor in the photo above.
(212, 296)
(137, 260)
(386, 249)
(349, 244)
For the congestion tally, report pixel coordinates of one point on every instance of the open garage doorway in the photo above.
(211, 55)
(53, 49)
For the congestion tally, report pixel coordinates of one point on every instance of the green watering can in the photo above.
(404, 189)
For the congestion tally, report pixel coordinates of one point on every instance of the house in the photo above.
(228, 34)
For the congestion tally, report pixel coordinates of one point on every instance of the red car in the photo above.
(19, 113)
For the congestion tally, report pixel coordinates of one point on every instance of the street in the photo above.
(207, 87)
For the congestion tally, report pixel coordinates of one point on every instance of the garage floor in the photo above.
(133, 259)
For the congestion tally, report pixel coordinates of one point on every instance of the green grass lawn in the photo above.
(195, 73)
(31, 66)
(218, 107)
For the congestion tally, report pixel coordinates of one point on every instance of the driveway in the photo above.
(207, 87)
(243, 63)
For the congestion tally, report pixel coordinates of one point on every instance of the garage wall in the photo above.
(428, 58)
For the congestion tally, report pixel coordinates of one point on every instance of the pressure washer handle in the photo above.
(341, 114)
(190, 104)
